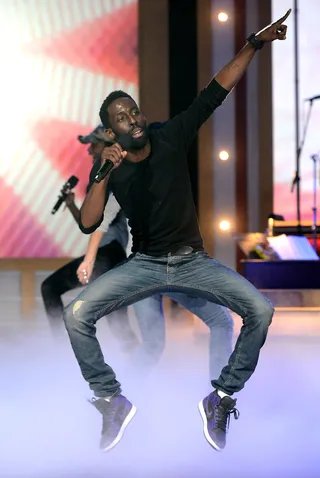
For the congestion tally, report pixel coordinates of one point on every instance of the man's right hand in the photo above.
(113, 153)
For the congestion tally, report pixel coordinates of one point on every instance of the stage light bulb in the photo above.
(224, 225)
(222, 17)
(224, 155)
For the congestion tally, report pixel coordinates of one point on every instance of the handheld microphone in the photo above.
(317, 97)
(125, 141)
(70, 184)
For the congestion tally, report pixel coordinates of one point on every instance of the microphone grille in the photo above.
(73, 181)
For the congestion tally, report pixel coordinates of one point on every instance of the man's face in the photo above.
(95, 150)
(125, 118)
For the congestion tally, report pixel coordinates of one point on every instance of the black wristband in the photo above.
(257, 44)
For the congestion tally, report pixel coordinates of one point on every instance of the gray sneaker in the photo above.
(215, 412)
(117, 413)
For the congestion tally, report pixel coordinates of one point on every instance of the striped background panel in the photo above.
(60, 58)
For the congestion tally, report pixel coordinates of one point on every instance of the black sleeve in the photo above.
(184, 127)
(89, 230)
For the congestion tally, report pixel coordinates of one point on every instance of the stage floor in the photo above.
(48, 430)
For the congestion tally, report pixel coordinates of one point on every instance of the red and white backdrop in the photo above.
(284, 108)
(59, 58)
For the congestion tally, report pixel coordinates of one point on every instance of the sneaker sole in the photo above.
(205, 427)
(126, 422)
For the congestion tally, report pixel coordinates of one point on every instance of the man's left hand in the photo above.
(69, 200)
(275, 31)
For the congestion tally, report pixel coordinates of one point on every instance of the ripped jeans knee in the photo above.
(76, 318)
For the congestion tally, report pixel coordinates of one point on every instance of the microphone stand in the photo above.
(296, 179)
(315, 159)
(298, 148)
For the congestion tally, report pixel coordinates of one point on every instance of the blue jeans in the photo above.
(150, 317)
(142, 276)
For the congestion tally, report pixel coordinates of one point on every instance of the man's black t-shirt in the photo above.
(155, 194)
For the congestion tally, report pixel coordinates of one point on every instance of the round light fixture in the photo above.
(224, 155)
(224, 225)
(223, 17)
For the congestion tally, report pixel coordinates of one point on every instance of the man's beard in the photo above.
(139, 143)
(129, 143)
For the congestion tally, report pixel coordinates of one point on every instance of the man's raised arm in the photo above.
(230, 74)
(184, 126)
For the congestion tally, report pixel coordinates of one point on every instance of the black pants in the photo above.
(65, 279)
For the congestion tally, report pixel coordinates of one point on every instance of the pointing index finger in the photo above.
(283, 19)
